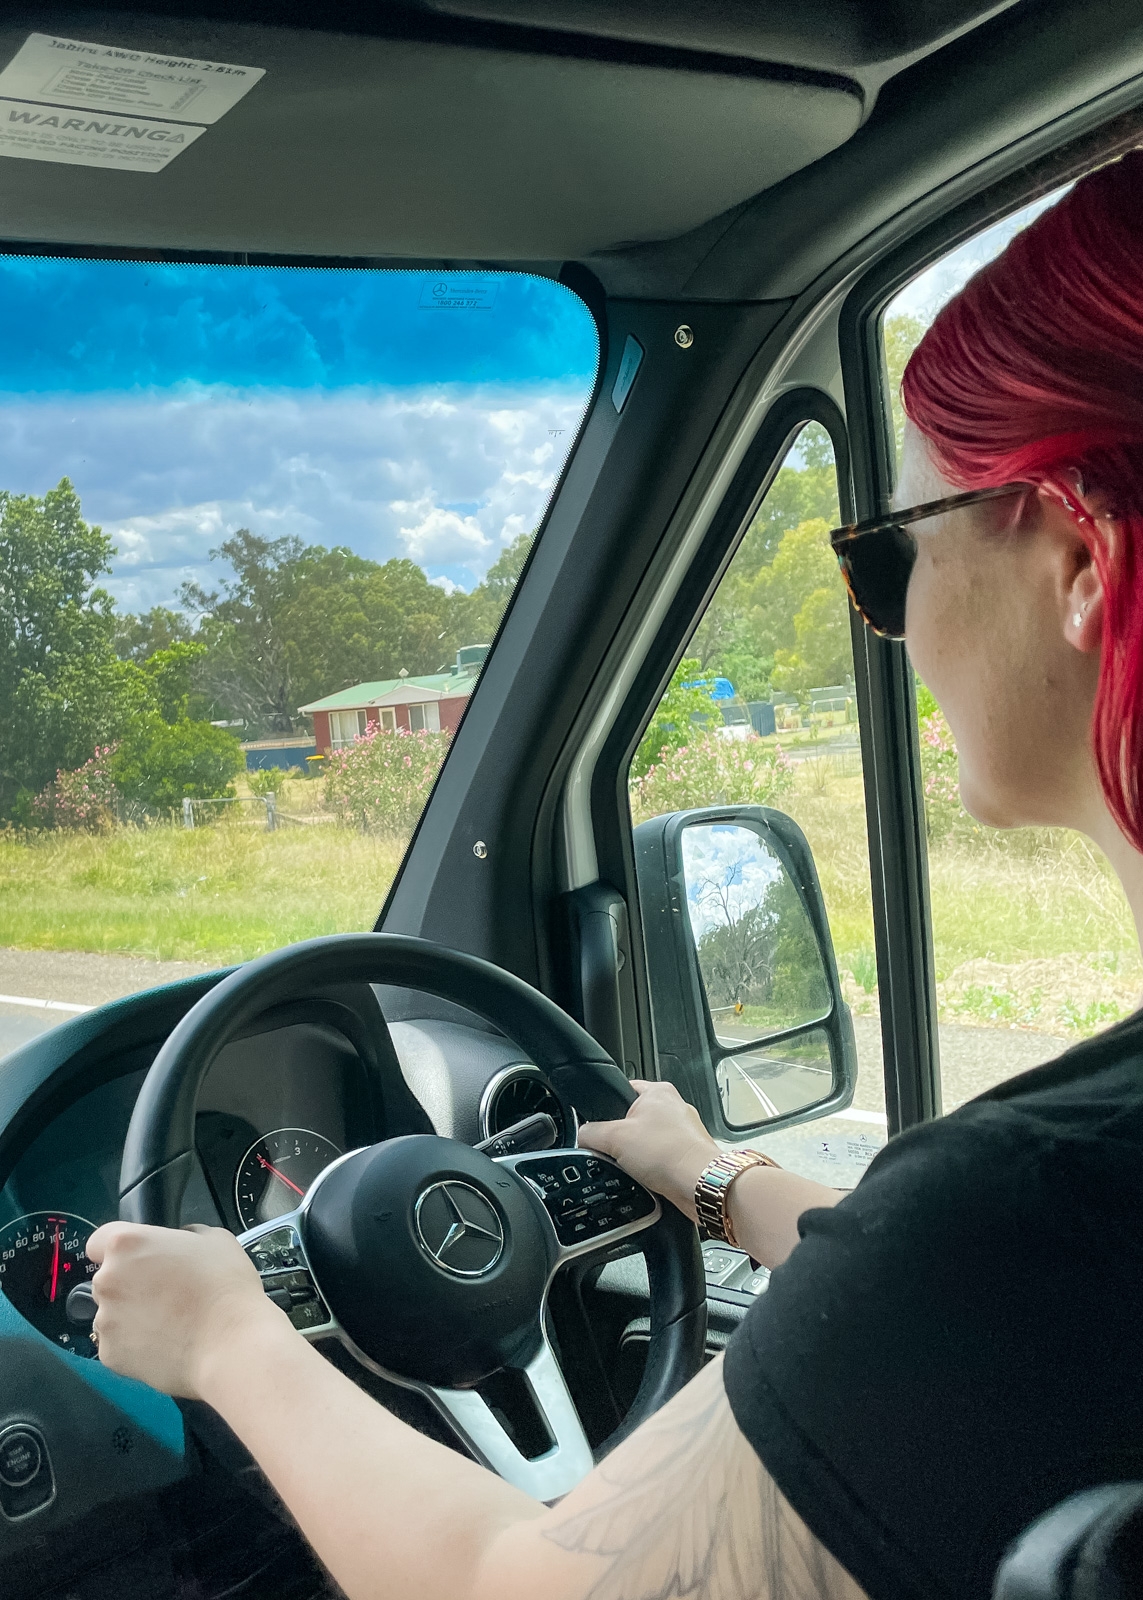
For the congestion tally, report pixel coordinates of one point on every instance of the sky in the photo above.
(927, 293)
(399, 413)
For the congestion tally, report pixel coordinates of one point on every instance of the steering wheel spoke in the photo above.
(546, 1476)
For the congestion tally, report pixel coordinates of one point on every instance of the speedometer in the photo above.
(276, 1171)
(43, 1258)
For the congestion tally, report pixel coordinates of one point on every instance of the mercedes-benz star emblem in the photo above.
(459, 1230)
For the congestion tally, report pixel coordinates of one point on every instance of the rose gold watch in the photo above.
(712, 1192)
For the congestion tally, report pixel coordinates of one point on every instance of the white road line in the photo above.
(41, 1005)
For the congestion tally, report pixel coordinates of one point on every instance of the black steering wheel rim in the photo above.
(158, 1155)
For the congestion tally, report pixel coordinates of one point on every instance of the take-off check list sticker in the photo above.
(158, 104)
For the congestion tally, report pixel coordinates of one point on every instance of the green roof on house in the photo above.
(363, 694)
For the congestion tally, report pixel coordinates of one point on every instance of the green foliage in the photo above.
(158, 763)
(297, 622)
(711, 771)
(940, 777)
(63, 689)
(381, 782)
(171, 676)
(264, 781)
(777, 569)
(679, 715)
(901, 335)
(138, 637)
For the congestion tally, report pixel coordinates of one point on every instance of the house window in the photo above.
(425, 718)
(388, 719)
(344, 726)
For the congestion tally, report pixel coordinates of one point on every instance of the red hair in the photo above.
(1034, 372)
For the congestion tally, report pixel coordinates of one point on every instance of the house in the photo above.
(432, 704)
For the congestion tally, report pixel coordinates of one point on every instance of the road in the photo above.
(65, 983)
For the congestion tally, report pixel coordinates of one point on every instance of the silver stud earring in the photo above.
(1077, 620)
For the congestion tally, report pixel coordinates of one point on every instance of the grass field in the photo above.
(1031, 930)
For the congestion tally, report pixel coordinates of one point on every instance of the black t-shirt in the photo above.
(958, 1344)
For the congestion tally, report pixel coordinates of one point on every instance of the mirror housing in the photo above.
(705, 1066)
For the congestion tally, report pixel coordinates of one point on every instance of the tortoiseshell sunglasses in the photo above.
(877, 557)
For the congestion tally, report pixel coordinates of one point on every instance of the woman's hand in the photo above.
(171, 1300)
(661, 1142)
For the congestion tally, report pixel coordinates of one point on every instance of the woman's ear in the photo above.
(1083, 627)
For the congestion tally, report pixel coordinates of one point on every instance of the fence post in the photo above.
(188, 813)
(271, 803)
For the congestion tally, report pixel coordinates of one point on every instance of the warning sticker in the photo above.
(100, 77)
(49, 133)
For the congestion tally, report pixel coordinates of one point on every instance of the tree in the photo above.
(676, 716)
(138, 637)
(63, 688)
(901, 334)
(158, 763)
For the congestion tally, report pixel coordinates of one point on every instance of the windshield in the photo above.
(258, 527)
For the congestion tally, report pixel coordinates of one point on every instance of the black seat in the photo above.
(1089, 1547)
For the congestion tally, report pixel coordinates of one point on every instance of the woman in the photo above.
(950, 1349)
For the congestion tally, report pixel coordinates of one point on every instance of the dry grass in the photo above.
(221, 893)
(1031, 929)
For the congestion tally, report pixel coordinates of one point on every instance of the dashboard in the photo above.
(276, 1107)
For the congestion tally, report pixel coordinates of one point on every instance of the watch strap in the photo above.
(712, 1192)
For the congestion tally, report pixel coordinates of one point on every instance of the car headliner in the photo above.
(631, 135)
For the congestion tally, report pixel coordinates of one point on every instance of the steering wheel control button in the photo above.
(459, 1229)
(26, 1481)
(588, 1199)
(281, 1266)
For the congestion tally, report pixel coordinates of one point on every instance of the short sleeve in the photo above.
(920, 1378)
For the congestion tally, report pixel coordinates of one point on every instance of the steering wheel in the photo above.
(431, 1261)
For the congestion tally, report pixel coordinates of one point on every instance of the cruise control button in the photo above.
(280, 1297)
(20, 1458)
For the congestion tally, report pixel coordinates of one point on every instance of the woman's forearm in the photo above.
(358, 1481)
(765, 1204)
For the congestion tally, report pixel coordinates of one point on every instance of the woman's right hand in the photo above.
(661, 1142)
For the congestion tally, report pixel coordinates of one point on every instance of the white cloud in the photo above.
(448, 475)
(446, 584)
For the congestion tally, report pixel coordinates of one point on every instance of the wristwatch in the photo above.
(712, 1192)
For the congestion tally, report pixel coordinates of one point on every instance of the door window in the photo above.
(1034, 943)
(762, 710)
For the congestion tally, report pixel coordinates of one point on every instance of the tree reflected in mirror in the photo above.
(761, 970)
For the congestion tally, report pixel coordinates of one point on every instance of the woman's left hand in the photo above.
(171, 1300)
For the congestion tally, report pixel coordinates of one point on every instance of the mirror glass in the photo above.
(762, 971)
(767, 1081)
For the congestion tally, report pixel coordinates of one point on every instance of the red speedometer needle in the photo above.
(55, 1265)
(262, 1162)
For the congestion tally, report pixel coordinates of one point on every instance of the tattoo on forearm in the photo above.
(686, 1511)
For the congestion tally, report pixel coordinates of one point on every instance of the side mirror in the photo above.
(749, 1018)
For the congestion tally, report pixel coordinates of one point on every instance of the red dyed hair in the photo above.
(1035, 372)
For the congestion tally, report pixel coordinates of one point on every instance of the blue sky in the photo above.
(346, 407)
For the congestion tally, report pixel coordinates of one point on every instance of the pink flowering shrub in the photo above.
(83, 800)
(380, 782)
(944, 813)
(711, 771)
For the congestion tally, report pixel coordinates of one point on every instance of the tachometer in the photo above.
(43, 1257)
(276, 1171)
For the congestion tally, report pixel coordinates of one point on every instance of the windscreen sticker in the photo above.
(53, 133)
(99, 77)
(441, 292)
